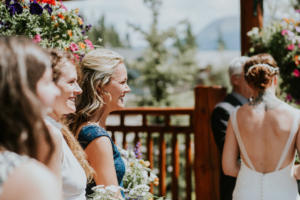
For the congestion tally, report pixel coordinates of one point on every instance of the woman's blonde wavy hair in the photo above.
(59, 58)
(97, 67)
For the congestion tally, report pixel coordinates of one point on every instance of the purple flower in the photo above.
(48, 8)
(87, 28)
(297, 29)
(14, 8)
(83, 32)
(288, 97)
(82, 56)
(137, 151)
(35, 8)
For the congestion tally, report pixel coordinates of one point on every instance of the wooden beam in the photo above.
(251, 16)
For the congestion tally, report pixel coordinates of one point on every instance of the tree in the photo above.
(108, 34)
(160, 68)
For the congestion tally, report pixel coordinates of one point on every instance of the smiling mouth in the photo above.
(72, 99)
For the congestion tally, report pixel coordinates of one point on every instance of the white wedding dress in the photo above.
(277, 185)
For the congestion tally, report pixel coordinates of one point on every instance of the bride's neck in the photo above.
(264, 96)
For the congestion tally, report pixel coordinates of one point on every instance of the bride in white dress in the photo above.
(265, 134)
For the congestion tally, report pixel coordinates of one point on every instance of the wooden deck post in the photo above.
(251, 16)
(207, 158)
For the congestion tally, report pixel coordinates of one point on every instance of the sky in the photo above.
(119, 12)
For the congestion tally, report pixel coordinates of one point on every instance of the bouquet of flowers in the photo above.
(138, 175)
(281, 39)
(46, 22)
(105, 193)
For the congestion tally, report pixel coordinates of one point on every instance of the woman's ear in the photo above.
(99, 90)
(275, 80)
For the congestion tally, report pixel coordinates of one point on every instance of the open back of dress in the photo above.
(277, 185)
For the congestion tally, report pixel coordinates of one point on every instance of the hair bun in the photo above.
(260, 76)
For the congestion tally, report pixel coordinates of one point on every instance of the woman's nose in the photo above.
(127, 89)
(78, 89)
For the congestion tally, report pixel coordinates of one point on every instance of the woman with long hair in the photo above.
(104, 84)
(21, 121)
(73, 168)
(265, 133)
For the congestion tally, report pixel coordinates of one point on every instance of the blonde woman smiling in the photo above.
(104, 85)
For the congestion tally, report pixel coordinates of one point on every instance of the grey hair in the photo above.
(97, 68)
(236, 65)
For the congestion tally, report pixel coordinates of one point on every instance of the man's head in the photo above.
(236, 74)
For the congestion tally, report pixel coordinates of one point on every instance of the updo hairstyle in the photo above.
(260, 77)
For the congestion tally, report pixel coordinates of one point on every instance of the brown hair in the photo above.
(260, 77)
(59, 59)
(21, 122)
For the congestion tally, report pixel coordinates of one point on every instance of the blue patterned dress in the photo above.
(86, 136)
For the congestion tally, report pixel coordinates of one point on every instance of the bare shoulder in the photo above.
(101, 143)
(33, 180)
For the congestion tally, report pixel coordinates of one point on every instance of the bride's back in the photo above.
(265, 133)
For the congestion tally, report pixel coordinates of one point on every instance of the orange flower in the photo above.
(66, 48)
(296, 60)
(286, 20)
(291, 19)
(70, 33)
(156, 179)
(56, 24)
(82, 45)
(156, 183)
(52, 17)
(80, 21)
(61, 16)
(77, 10)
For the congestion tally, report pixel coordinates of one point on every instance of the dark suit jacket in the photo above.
(219, 120)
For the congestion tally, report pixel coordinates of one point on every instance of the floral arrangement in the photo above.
(104, 193)
(46, 22)
(138, 175)
(281, 39)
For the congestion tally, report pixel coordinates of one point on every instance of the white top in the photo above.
(277, 185)
(73, 176)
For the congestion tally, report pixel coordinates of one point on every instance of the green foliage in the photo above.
(162, 68)
(108, 34)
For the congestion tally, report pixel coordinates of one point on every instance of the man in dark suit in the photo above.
(239, 96)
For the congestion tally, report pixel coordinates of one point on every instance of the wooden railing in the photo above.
(206, 156)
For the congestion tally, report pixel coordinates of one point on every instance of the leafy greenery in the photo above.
(164, 69)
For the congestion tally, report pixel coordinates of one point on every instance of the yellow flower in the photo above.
(131, 164)
(70, 33)
(66, 48)
(82, 45)
(80, 21)
(52, 17)
(156, 183)
(142, 161)
(77, 10)
(147, 163)
(292, 20)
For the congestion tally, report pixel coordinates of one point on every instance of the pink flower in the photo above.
(284, 32)
(62, 6)
(296, 73)
(89, 43)
(290, 47)
(288, 97)
(37, 39)
(73, 47)
(298, 11)
(297, 29)
(297, 102)
(77, 57)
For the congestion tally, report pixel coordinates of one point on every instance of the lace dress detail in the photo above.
(73, 176)
(8, 162)
(86, 136)
(277, 185)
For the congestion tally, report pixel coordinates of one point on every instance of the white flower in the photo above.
(124, 153)
(254, 31)
(112, 188)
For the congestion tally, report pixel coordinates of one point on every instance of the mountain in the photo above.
(227, 29)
